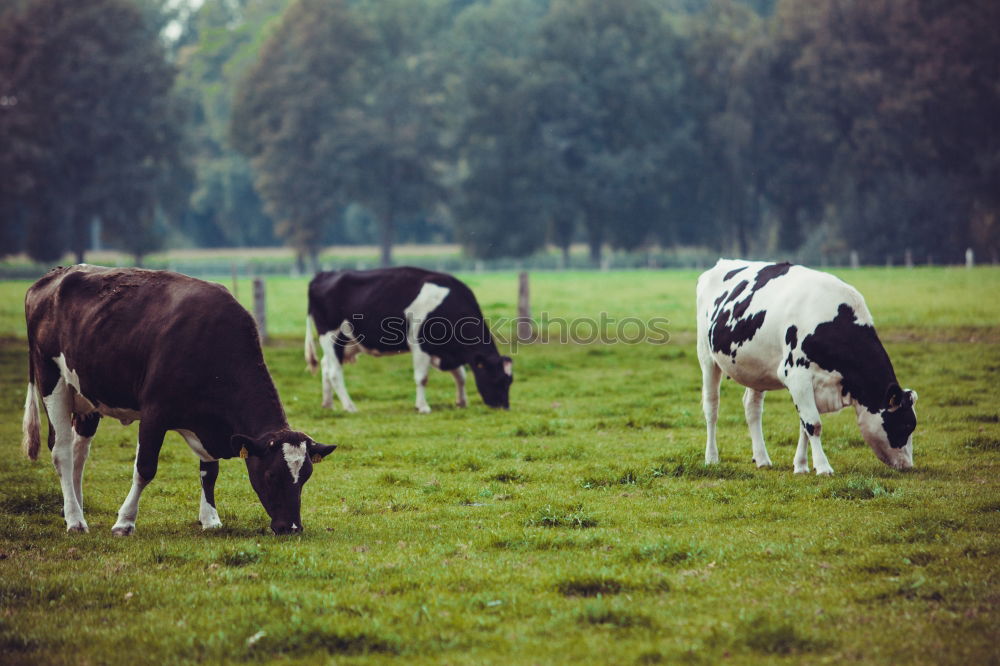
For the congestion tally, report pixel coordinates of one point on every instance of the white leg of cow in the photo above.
(208, 516)
(81, 450)
(147, 454)
(800, 386)
(802, 452)
(125, 524)
(59, 408)
(711, 378)
(421, 371)
(459, 374)
(753, 408)
(333, 375)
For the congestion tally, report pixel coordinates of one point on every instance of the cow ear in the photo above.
(508, 365)
(319, 451)
(247, 446)
(894, 397)
(911, 396)
(478, 362)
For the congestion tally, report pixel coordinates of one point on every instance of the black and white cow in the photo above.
(773, 326)
(432, 315)
(173, 353)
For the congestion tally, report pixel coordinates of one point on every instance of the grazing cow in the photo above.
(392, 310)
(173, 353)
(773, 326)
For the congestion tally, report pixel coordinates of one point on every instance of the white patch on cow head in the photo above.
(295, 457)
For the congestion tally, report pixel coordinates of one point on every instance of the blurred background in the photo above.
(493, 133)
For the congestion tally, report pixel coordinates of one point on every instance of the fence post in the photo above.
(970, 259)
(524, 327)
(855, 262)
(908, 258)
(259, 308)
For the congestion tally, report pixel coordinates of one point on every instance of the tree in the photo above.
(611, 90)
(223, 39)
(340, 108)
(88, 114)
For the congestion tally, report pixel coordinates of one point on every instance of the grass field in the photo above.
(581, 526)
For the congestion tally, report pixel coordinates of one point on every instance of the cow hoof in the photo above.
(801, 470)
(327, 405)
(766, 464)
(824, 472)
(461, 404)
(123, 530)
(351, 409)
(424, 410)
(80, 527)
(211, 525)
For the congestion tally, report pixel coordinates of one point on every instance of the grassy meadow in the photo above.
(580, 526)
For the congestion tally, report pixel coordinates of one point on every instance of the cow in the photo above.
(773, 326)
(432, 315)
(174, 353)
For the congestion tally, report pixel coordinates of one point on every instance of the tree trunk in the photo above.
(789, 232)
(79, 233)
(386, 241)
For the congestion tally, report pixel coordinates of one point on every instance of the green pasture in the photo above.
(580, 526)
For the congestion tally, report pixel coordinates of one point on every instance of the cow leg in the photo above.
(84, 428)
(711, 378)
(800, 386)
(147, 454)
(59, 406)
(421, 371)
(459, 374)
(333, 371)
(753, 408)
(801, 452)
(207, 514)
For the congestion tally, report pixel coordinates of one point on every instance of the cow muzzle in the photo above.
(282, 527)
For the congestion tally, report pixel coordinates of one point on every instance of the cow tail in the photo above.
(311, 361)
(31, 439)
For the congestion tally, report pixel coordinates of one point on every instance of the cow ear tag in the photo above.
(244, 453)
(317, 458)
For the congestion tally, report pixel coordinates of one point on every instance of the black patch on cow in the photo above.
(899, 424)
(726, 340)
(788, 361)
(855, 351)
(792, 337)
(721, 298)
(737, 290)
(729, 276)
(769, 273)
(810, 428)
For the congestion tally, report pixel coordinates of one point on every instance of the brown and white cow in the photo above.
(173, 353)
(775, 326)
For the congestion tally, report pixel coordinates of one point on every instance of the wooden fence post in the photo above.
(524, 327)
(970, 258)
(259, 311)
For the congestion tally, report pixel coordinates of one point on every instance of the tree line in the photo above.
(796, 127)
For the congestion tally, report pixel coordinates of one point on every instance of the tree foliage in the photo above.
(89, 122)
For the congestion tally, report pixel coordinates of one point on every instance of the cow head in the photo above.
(279, 464)
(494, 375)
(889, 429)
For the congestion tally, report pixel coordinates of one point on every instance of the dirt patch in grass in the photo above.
(590, 586)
